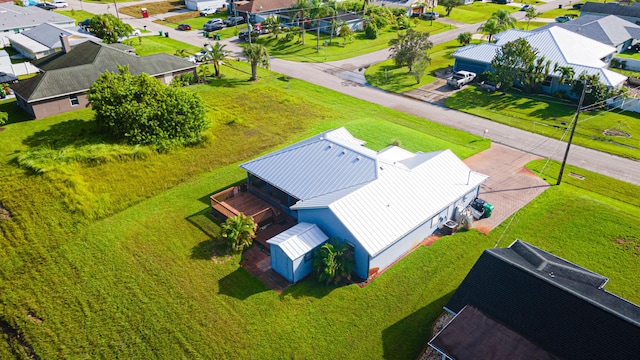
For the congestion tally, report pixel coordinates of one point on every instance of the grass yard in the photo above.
(155, 8)
(389, 77)
(475, 12)
(550, 117)
(78, 15)
(111, 258)
(532, 25)
(192, 18)
(629, 55)
(149, 45)
(337, 50)
(552, 14)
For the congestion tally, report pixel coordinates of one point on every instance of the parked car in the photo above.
(60, 4)
(46, 6)
(214, 21)
(207, 11)
(563, 19)
(85, 23)
(135, 32)
(526, 7)
(430, 15)
(234, 20)
(489, 86)
(460, 79)
(184, 27)
(212, 26)
(244, 35)
(200, 56)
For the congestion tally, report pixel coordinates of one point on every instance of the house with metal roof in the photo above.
(562, 47)
(44, 40)
(522, 302)
(610, 30)
(259, 10)
(67, 75)
(382, 203)
(628, 12)
(15, 19)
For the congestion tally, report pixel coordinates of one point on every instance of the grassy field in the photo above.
(532, 25)
(337, 50)
(550, 117)
(389, 77)
(629, 55)
(149, 45)
(552, 14)
(155, 8)
(78, 15)
(475, 12)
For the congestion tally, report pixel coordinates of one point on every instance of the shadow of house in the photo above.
(240, 284)
(539, 306)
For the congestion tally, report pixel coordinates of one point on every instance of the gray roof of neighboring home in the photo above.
(49, 35)
(609, 29)
(610, 9)
(75, 71)
(18, 17)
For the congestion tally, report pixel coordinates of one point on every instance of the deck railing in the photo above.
(217, 202)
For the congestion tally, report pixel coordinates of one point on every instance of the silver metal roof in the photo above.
(299, 240)
(18, 17)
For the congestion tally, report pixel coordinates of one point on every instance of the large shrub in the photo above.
(141, 110)
(371, 31)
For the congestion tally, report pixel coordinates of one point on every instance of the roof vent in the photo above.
(330, 146)
(359, 157)
(344, 152)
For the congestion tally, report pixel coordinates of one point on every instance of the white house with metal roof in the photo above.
(15, 19)
(382, 203)
(44, 39)
(560, 46)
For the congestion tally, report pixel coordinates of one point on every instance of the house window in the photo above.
(547, 81)
(74, 100)
(308, 256)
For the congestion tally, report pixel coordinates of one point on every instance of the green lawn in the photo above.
(550, 117)
(475, 12)
(532, 25)
(629, 55)
(78, 15)
(389, 77)
(552, 14)
(337, 50)
(149, 45)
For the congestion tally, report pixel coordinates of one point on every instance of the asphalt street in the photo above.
(323, 74)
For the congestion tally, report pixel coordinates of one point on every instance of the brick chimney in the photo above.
(64, 41)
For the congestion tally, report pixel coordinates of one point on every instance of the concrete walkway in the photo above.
(321, 74)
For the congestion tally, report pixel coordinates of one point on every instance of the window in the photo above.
(547, 81)
(308, 256)
(74, 100)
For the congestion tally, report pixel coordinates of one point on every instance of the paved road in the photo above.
(322, 74)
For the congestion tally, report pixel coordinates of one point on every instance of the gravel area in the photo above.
(429, 353)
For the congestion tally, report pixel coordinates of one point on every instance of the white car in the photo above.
(135, 32)
(207, 11)
(60, 4)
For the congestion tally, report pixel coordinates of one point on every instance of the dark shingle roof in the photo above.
(74, 72)
(552, 302)
(610, 9)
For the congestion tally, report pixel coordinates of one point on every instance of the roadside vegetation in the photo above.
(551, 117)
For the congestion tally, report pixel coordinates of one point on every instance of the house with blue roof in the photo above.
(382, 203)
(561, 46)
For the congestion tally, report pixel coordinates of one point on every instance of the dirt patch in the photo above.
(34, 318)
(632, 245)
(616, 132)
(4, 213)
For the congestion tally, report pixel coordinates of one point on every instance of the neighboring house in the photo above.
(628, 12)
(23, 68)
(15, 19)
(610, 30)
(525, 303)
(560, 46)
(44, 40)
(383, 204)
(67, 75)
(352, 20)
(198, 5)
(258, 10)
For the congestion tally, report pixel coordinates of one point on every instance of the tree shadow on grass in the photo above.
(228, 82)
(414, 329)
(212, 247)
(310, 287)
(71, 132)
(240, 284)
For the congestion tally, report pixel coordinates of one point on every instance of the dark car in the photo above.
(578, 6)
(244, 35)
(563, 19)
(212, 26)
(85, 23)
(184, 27)
(233, 21)
(430, 15)
(46, 6)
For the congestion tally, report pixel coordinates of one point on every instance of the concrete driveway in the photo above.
(510, 187)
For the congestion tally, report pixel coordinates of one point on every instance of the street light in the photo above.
(573, 130)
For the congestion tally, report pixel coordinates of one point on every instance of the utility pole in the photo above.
(116, 6)
(573, 130)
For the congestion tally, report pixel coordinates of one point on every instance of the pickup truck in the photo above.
(460, 79)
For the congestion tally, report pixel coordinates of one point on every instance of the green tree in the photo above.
(505, 20)
(256, 54)
(530, 14)
(216, 55)
(302, 7)
(449, 5)
(141, 110)
(371, 30)
(465, 38)
(567, 73)
(346, 33)
(535, 73)
(238, 232)
(181, 53)
(410, 47)
(490, 27)
(4, 117)
(203, 72)
(273, 23)
(596, 93)
(511, 60)
(109, 28)
(419, 68)
(333, 262)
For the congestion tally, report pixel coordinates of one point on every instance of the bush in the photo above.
(4, 117)
(371, 31)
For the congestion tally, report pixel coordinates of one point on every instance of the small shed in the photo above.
(292, 250)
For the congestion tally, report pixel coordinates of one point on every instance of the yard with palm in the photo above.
(113, 255)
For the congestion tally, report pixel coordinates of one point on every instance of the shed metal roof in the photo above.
(297, 241)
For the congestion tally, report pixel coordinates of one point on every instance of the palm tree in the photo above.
(203, 72)
(256, 54)
(302, 6)
(239, 232)
(333, 262)
(490, 27)
(567, 73)
(505, 20)
(465, 38)
(181, 53)
(216, 55)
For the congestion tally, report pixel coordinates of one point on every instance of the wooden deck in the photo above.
(258, 264)
(267, 232)
(247, 203)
